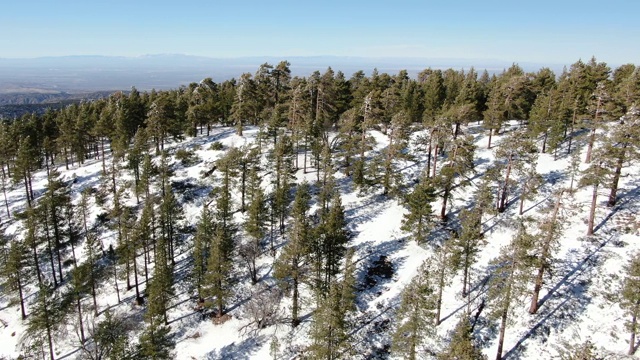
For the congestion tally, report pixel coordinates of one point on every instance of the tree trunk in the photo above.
(490, 134)
(503, 195)
(503, 328)
(26, 189)
(428, 172)
(632, 341)
(115, 280)
(48, 238)
(441, 272)
(295, 321)
(23, 312)
(592, 212)
(613, 195)
(445, 197)
(135, 274)
(573, 121)
(435, 160)
(4, 191)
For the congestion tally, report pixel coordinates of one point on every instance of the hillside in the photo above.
(576, 304)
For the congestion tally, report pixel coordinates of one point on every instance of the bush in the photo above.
(217, 146)
(186, 157)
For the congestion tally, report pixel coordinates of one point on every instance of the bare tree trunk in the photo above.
(594, 127)
(503, 195)
(632, 341)
(295, 321)
(490, 134)
(613, 195)
(503, 328)
(592, 212)
(23, 312)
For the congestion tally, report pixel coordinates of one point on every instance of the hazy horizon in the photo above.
(80, 73)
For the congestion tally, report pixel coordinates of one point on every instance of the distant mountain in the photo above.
(95, 73)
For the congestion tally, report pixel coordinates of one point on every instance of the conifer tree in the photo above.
(41, 323)
(290, 267)
(254, 225)
(441, 264)
(453, 173)
(546, 244)
(418, 220)
(468, 244)
(461, 345)
(395, 152)
(514, 151)
(202, 247)
(508, 280)
(630, 299)
(415, 316)
(15, 274)
(622, 146)
(329, 331)
(219, 266)
(594, 176)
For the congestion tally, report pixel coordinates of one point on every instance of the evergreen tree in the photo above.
(594, 176)
(219, 266)
(458, 165)
(15, 274)
(508, 280)
(329, 331)
(202, 247)
(290, 267)
(468, 244)
(254, 225)
(622, 146)
(514, 151)
(418, 220)
(546, 244)
(630, 298)
(415, 316)
(461, 345)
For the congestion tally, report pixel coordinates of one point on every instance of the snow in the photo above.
(576, 308)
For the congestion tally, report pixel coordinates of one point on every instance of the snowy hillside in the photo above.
(576, 301)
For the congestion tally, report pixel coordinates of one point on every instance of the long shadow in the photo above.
(574, 300)
(244, 350)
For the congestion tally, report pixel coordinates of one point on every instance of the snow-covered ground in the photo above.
(575, 307)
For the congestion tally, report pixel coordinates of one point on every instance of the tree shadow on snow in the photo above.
(243, 350)
(566, 301)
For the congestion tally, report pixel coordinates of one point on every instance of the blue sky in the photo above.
(542, 31)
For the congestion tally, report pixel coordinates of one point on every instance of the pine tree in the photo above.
(254, 225)
(453, 173)
(329, 331)
(594, 176)
(622, 146)
(418, 220)
(219, 266)
(160, 288)
(461, 345)
(42, 322)
(508, 280)
(290, 265)
(441, 263)
(415, 316)
(15, 275)
(514, 151)
(468, 244)
(202, 247)
(630, 298)
(546, 245)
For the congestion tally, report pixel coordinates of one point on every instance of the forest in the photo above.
(249, 210)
